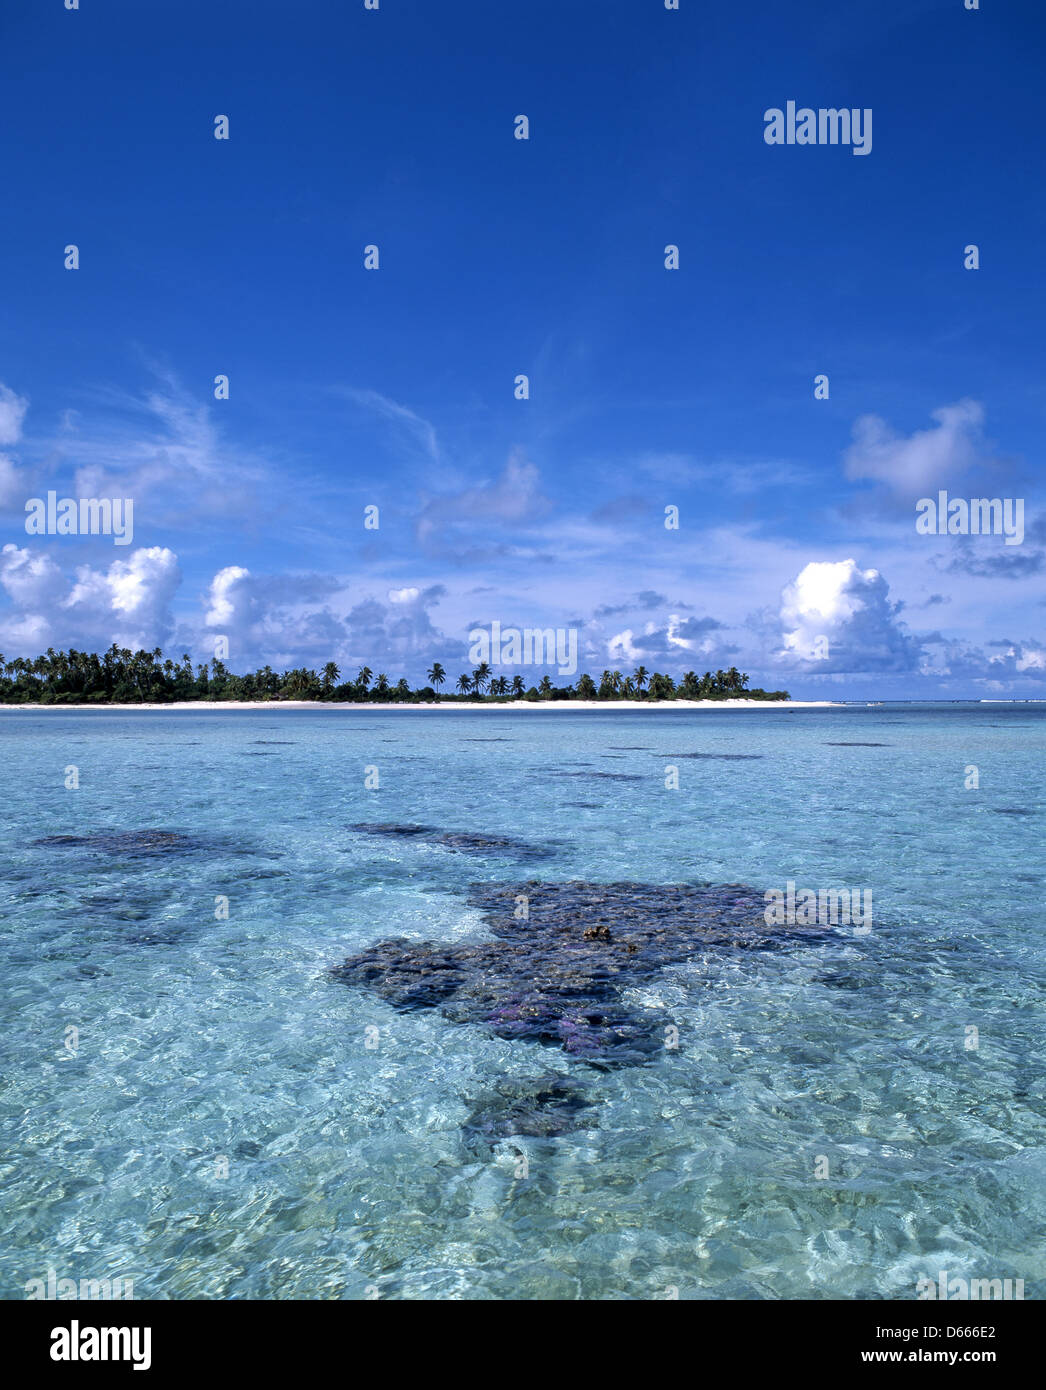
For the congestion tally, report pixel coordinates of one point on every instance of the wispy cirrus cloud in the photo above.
(164, 448)
(407, 426)
(471, 518)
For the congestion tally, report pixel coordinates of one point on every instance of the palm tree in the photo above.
(479, 677)
(518, 686)
(545, 687)
(364, 678)
(299, 683)
(639, 675)
(381, 685)
(464, 684)
(330, 677)
(437, 676)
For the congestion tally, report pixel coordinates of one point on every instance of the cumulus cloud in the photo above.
(401, 635)
(270, 619)
(836, 617)
(1027, 658)
(922, 462)
(231, 600)
(128, 602)
(298, 620)
(31, 578)
(1017, 667)
(131, 598)
(672, 641)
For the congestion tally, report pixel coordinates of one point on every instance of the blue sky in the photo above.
(394, 388)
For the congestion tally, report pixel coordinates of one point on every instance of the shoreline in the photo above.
(430, 706)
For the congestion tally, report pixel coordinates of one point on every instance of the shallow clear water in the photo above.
(349, 1173)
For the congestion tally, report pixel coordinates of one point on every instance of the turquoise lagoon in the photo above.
(227, 1121)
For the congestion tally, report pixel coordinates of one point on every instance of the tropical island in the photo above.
(121, 677)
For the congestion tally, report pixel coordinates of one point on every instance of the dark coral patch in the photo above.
(125, 841)
(562, 956)
(458, 841)
(543, 1107)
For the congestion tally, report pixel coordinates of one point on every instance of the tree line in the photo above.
(120, 676)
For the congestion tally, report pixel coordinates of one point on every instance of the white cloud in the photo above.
(1030, 659)
(836, 617)
(511, 498)
(229, 599)
(31, 578)
(670, 641)
(127, 603)
(622, 648)
(12, 488)
(164, 450)
(921, 462)
(409, 426)
(131, 599)
(12, 413)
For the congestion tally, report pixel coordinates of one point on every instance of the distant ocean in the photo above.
(190, 1100)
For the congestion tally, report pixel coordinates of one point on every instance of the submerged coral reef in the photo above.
(561, 957)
